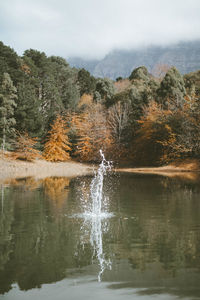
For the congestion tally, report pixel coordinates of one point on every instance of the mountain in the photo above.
(80, 63)
(185, 56)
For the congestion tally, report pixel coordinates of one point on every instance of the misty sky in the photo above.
(92, 28)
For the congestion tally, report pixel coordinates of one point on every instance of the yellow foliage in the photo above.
(56, 188)
(93, 133)
(25, 148)
(85, 101)
(57, 147)
(155, 135)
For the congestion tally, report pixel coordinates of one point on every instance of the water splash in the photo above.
(97, 228)
(96, 215)
(96, 187)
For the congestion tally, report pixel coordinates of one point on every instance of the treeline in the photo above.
(52, 110)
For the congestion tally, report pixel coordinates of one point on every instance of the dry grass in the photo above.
(40, 169)
(187, 169)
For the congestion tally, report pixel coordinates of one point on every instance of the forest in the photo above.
(52, 111)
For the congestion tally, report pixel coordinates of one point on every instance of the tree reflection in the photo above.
(6, 237)
(56, 188)
(155, 230)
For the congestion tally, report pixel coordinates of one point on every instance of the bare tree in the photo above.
(118, 117)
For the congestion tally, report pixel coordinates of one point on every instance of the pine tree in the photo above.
(57, 147)
(28, 113)
(172, 91)
(7, 106)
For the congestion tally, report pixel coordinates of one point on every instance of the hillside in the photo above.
(51, 110)
(184, 56)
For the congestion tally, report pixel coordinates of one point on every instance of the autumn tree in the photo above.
(119, 125)
(185, 123)
(85, 102)
(57, 147)
(154, 137)
(25, 148)
(118, 118)
(93, 132)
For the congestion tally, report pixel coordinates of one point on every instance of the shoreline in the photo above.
(158, 170)
(190, 171)
(41, 169)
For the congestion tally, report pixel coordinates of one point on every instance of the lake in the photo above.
(145, 246)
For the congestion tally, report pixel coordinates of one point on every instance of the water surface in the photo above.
(145, 246)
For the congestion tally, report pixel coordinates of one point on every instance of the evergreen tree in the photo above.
(140, 73)
(9, 63)
(28, 113)
(7, 106)
(104, 91)
(66, 82)
(87, 83)
(172, 90)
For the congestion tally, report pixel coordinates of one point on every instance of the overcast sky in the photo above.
(92, 28)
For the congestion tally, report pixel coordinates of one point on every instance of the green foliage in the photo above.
(119, 78)
(87, 83)
(192, 83)
(65, 80)
(172, 89)
(28, 111)
(142, 90)
(54, 84)
(38, 58)
(45, 87)
(9, 63)
(104, 91)
(7, 106)
(140, 73)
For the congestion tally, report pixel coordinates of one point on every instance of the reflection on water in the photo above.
(94, 214)
(150, 233)
(96, 227)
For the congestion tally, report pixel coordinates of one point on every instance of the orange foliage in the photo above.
(29, 183)
(25, 148)
(154, 136)
(85, 101)
(93, 133)
(55, 189)
(25, 68)
(57, 147)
